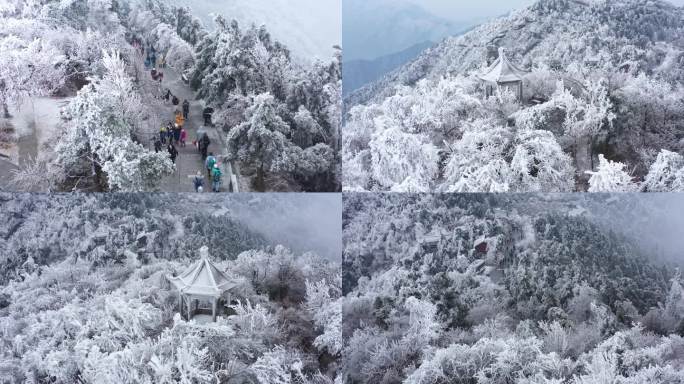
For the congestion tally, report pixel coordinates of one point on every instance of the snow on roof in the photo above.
(203, 278)
(502, 70)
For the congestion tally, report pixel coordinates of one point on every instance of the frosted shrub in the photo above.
(610, 177)
(666, 173)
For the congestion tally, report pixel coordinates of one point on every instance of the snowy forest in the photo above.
(518, 288)
(276, 117)
(85, 294)
(601, 107)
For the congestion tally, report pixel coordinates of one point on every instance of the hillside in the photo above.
(556, 33)
(601, 107)
(163, 226)
(468, 288)
(86, 292)
(42, 228)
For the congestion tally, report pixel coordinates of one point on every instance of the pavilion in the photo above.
(503, 74)
(201, 285)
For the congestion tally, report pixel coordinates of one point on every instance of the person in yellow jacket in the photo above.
(180, 120)
(163, 134)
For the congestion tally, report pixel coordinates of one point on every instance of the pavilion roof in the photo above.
(502, 70)
(202, 279)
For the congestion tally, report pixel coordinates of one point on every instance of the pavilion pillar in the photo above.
(213, 310)
(189, 305)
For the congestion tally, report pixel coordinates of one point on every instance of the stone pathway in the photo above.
(189, 160)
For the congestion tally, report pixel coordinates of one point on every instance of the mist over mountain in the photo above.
(310, 28)
(357, 73)
(373, 29)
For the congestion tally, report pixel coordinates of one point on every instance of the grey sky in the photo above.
(465, 10)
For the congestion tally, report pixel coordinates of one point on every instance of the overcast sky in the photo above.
(309, 28)
(465, 10)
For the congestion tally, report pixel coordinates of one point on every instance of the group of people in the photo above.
(152, 62)
(173, 133)
(214, 175)
(151, 59)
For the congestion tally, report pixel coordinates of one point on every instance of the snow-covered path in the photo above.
(189, 160)
(37, 122)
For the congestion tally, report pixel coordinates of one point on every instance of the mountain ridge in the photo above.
(529, 31)
(357, 73)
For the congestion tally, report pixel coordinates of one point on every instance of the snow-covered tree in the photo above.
(610, 176)
(585, 116)
(102, 121)
(177, 52)
(231, 60)
(477, 162)
(261, 139)
(400, 156)
(539, 164)
(28, 68)
(666, 173)
(323, 300)
(191, 364)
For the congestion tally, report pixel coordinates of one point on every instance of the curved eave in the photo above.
(503, 71)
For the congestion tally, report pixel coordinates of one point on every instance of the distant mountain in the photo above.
(374, 29)
(556, 33)
(308, 34)
(357, 73)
